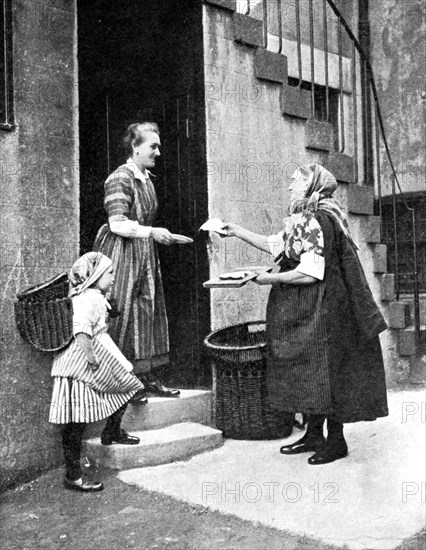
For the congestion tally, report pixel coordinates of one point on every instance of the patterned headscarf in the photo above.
(318, 196)
(86, 271)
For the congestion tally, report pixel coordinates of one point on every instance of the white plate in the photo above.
(182, 239)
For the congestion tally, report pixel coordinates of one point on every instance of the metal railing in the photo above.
(367, 142)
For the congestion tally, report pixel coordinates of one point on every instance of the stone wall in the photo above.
(397, 55)
(39, 225)
(252, 151)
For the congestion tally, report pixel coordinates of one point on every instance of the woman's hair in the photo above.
(135, 135)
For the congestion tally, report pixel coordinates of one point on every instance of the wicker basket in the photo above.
(241, 405)
(43, 314)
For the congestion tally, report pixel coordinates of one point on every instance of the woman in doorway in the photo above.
(141, 329)
(322, 322)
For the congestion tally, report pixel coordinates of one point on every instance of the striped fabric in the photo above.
(141, 331)
(298, 368)
(81, 395)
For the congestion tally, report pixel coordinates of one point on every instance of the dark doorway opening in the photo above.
(144, 61)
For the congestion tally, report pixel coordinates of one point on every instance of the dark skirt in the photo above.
(320, 361)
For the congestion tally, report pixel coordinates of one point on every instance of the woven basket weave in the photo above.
(241, 404)
(43, 314)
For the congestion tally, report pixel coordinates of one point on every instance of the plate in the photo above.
(182, 239)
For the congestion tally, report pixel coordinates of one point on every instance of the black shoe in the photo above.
(304, 445)
(156, 387)
(139, 398)
(83, 485)
(329, 453)
(123, 438)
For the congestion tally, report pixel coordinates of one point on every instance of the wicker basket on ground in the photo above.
(43, 314)
(240, 393)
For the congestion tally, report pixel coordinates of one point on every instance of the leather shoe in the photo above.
(83, 485)
(139, 398)
(329, 453)
(304, 445)
(156, 387)
(122, 437)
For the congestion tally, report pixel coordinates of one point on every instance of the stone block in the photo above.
(192, 406)
(318, 135)
(380, 258)
(270, 66)
(295, 102)
(177, 442)
(406, 342)
(399, 315)
(372, 230)
(247, 30)
(225, 4)
(360, 199)
(387, 287)
(341, 166)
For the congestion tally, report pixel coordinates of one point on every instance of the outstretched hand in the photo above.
(162, 235)
(232, 229)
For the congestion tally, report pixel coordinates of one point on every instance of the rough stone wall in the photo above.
(39, 225)
(252, 151)
(398, 42)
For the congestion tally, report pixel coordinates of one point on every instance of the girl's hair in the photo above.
(135, 135)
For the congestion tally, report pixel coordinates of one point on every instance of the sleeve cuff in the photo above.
(129, 228)
(312, 264)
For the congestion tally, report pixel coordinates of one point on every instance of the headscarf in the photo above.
(86, 271)
(318, 196)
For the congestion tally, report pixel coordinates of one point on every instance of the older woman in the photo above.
(141, 329)
(322, 322)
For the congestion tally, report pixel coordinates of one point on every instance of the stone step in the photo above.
(191, 406)
(176, 442)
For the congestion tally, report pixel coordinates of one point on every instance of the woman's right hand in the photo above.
(162, 235)
(232, 229)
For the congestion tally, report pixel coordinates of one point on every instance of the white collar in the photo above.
(142, 176)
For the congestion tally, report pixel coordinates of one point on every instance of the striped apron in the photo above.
(141, 330)
(81, 395)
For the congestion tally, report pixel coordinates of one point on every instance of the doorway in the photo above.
(143, 61)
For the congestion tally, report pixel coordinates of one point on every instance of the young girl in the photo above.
(92, 378)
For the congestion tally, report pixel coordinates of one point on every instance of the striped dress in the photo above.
(80, 394)
(141, 330)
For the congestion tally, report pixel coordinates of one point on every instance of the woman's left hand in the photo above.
(264, 278)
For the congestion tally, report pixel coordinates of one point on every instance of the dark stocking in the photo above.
(72, 436)
(113, 424)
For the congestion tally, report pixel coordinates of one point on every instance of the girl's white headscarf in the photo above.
(86, 271)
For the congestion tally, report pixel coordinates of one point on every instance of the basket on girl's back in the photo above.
(92, 378)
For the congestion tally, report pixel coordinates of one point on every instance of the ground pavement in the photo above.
(244, 495)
